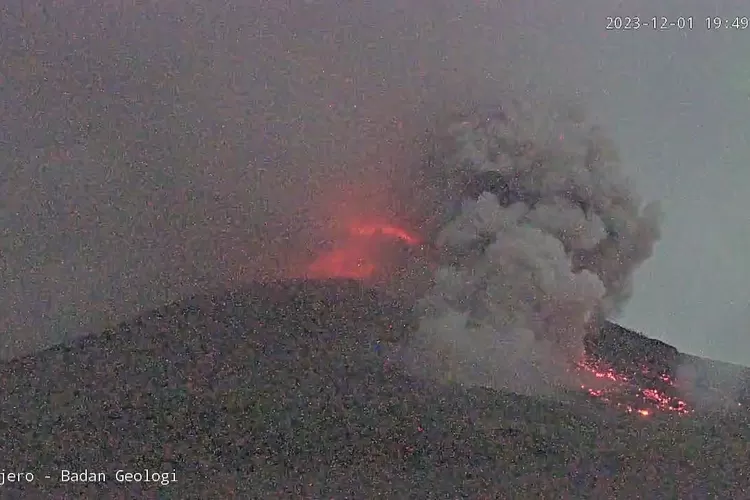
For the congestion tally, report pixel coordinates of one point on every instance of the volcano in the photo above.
(292, 390)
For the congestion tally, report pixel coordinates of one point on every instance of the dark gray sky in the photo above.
(154, 148)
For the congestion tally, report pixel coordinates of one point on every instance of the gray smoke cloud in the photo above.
(543, 241)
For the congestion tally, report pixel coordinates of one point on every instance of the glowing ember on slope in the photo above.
(625, 392)
(358, 255)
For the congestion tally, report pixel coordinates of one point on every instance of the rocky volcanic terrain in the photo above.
(286, 391)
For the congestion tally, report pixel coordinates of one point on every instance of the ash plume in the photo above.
(541, 243)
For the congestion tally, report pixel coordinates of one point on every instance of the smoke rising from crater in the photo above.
(543, 240)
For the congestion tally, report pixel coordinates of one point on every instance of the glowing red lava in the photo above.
(358, 255)
(385, 230)
(627, 394)
(341, 263)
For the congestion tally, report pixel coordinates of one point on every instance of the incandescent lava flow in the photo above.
(642, 393)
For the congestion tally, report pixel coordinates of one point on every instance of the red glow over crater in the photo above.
(392, 232)
(360, 253)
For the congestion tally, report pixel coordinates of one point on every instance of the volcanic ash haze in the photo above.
(185, 146)
(542, 244)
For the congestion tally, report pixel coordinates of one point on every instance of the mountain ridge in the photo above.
(285, 390)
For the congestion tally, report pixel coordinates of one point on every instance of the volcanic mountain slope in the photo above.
(286, 391)
(664, 377)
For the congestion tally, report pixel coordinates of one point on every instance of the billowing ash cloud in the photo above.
(543, 238)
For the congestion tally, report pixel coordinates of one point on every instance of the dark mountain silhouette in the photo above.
(284, 390)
